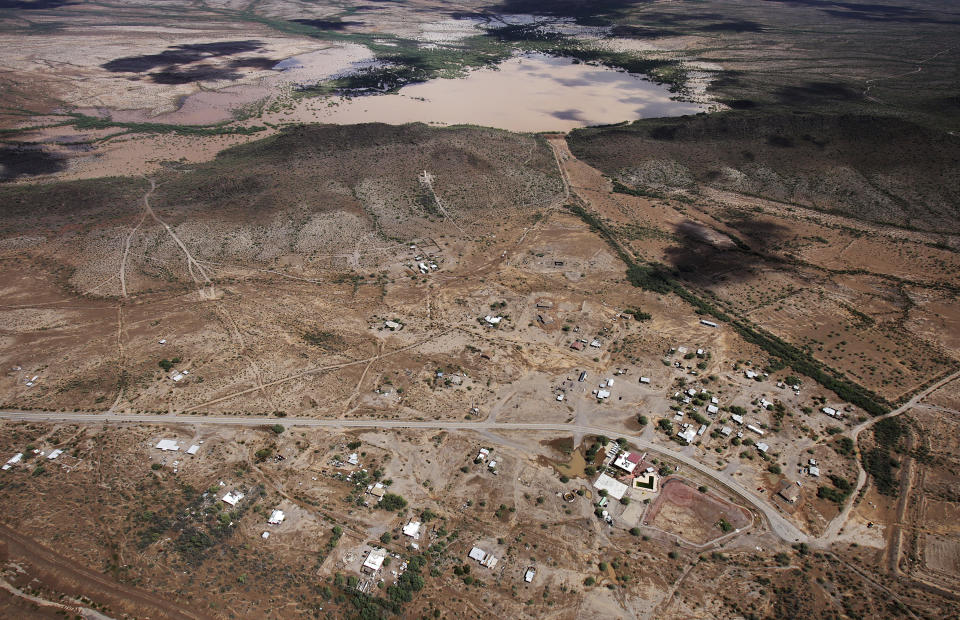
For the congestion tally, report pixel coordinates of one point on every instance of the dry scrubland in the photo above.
(130, 520)
(815, 221)
(270, 272)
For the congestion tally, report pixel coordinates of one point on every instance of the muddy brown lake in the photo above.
(534, 92)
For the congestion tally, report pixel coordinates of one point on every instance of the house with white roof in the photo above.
(374, 560)
(168, 445)
(627, 461)
(613, 487)
(232, 497)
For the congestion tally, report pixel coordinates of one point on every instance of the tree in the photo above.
(385, 537)
(392, 502)
(635, 531)
(642, 420)
(702, 489)
(277, 428)
(589, 470)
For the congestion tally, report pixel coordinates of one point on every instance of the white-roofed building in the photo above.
(168, 445)
(412, 529)
(688, 434)
(762, 447)
(478, 554)
(755, 429)
(627, 461)
(713, 409)
(612, 486)
(374, 560)
(232, 497)
(276, 517)
(603, 394)
(737, 418)
(193, 449)
(13, 460)
(54, 454)
(529, 574)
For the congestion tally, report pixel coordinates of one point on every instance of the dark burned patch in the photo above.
(595, 12)
(639, 32)
(886, 13)
(34, 5)
(199, 73)
(813, 93)
(742, 104)
(707, 256)
(780, 141)
(328, 24)
(254, 62)
(178, 55)
(28, 160)
(665, 132)
(739, 25)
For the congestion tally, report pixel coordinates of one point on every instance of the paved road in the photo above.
(778, 524)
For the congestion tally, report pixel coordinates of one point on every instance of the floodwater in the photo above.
(534, 92)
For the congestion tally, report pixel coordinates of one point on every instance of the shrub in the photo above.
(392, 502)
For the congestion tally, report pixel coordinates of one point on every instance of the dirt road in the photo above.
(73, 578)
(780, 526)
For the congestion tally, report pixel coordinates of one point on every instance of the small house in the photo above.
(232, 497)
(790, 492)
(374, 561)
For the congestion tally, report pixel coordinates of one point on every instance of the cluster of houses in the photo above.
(482, 457)
(580, 343)
(628, 471)
(426, 262)
(171, 445)
(481, 556)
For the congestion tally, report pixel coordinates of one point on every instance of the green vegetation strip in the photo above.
(81, 121)
(655, 277)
